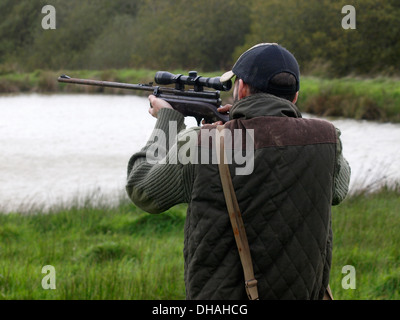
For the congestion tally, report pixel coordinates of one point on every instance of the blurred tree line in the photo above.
(207, 35)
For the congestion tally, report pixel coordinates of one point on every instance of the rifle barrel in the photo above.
(111, 84)
(144, 87)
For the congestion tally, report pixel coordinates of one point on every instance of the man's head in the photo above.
(266, 67)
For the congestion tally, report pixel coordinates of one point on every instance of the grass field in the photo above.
(371, 99)
(97, 253)
(124, 253)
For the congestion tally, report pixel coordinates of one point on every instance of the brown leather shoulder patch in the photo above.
(282, 131)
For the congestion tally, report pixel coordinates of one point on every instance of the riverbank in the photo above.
(375, 99)
(120, 252)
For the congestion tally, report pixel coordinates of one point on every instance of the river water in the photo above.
(64, 148)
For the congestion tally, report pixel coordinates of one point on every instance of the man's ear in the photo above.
(296, 97)
(243, 90)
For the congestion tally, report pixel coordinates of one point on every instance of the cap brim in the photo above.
(227, 76)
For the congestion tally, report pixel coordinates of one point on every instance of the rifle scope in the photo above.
(164, 78)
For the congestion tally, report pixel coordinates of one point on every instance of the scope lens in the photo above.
(164, 77)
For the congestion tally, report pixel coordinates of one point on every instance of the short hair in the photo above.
(283, 79)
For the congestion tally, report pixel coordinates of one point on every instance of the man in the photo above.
(298, 172)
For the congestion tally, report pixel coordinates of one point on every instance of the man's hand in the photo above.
(224, 110)
(156, 104)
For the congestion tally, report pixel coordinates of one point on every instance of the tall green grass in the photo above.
(98, 253)
(121, 252)
(366, 236)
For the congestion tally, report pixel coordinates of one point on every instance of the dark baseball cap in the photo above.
(258, 65)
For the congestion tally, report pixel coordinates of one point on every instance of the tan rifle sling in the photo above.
(236, 219)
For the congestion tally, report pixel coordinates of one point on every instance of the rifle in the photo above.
(196, 102)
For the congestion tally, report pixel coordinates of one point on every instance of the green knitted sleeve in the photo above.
(157, 180)
(342, 174)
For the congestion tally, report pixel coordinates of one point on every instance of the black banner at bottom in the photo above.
(190, 309)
